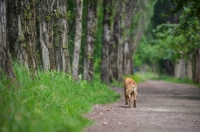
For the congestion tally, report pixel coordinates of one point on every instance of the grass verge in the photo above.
(175, 80)
(138, 77)
(142, 77)
(50, 102)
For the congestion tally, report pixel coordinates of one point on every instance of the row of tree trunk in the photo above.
(121, 36)
(35, 33)
(189, 68)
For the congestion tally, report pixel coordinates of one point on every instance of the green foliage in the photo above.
(177, 41)
(52, 101)
(146, 11)
(171, 41)
(27, 13)
(48, 18)
(174, 42)
(57, 37)
(69, 14)
(58, 14)
(191, 7)
(146, 54)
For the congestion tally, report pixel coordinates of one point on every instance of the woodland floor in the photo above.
(161, 107)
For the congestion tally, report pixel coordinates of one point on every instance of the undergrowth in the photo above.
(49, 102)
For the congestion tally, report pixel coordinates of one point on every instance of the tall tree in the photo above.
(124, 23)
(77, 41)
(196, 65)
(119, 39)
(188, 31)
(128, 7)
(45, 19)
(91, 35)
(190, 25)
(114, 42)
(22, 31)
(106, 40)
(61, 37)
(5, 59)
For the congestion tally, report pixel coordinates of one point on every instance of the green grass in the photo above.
(175, 80)
(138, 77)
(50, 102)
(142, 77)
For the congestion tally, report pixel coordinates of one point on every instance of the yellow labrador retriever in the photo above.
(130, 92)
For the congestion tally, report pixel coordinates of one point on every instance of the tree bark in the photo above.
(196, 66)
(45, 21)
(127, 65)
(6, 66)
(180, 68)
(189, 69)
(130, 39)
(114, 40)
(77, 43)
(106, 40)
(22, 32)
(119, 41)
(91, 35)
(61, 37)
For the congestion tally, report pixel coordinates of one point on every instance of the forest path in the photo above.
(161, 106)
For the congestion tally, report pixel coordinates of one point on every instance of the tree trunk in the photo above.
(189, 69)
(114, 40)
(6, 66)
(22, 31)
(45, 21)
(180, 69)
(130, 43)
(168, 66)
(119, 35)
(119, 41)
(106, 39)
(13, 28)
(196, 66)
(127, 65)
(91, 35)
(77, 42)
(61, 37)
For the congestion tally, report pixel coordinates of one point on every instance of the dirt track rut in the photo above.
(161, 106)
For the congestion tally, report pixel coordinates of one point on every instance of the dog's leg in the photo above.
(135, 96)
(130, 100)
(126, 98)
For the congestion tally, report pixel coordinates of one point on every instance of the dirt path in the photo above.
(161, 106)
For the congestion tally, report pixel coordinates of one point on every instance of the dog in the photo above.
(130, 92)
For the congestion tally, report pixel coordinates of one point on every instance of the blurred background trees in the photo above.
(104, 37)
